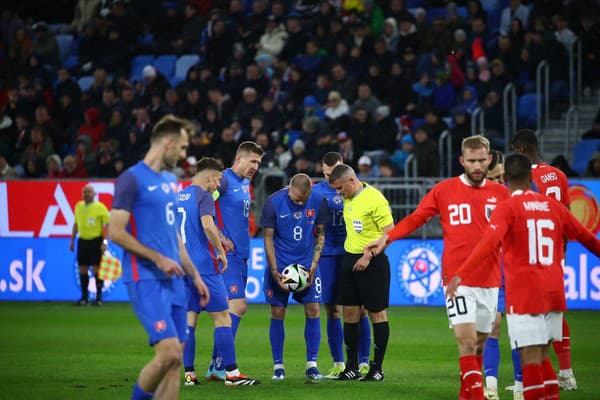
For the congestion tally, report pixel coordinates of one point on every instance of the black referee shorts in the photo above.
(89, 251)
(370, 287)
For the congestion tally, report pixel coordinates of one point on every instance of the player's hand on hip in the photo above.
(202, 291)
(362, 263)
(169, 266)
(453, 287)
(222, 258)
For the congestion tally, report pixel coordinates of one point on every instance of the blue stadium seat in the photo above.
(527, 110)
(184, 63)
(64, 45)
(138, 64)
(166, 65)
(71, 62)
(85, 82)
(582, 152)
(415, 3)
(174, 80)
(436, 12)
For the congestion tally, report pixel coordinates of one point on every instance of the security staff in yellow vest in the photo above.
(91, 218)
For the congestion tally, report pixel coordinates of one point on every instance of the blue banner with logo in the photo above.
(45, 269)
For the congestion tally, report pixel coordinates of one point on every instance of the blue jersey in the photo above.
(335, 230)
(233, 208)
(151, 199)
(194, 203)
(294, 226)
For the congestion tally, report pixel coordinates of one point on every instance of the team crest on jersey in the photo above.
(337, 199)
(420, 272)
(269, 293)
(233, 289)
(160, 326)
(357, 225)
(174, 187)
(165, 187)
(298, 214)
(310, 213)
(488, 211)
(245, 188)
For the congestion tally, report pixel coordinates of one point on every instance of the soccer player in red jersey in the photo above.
(552, 182)
(464, 204)
(530, 227)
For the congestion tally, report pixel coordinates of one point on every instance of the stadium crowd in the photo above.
(375, 80)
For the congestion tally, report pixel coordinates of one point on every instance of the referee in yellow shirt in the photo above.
(91, 218)
(364, 280)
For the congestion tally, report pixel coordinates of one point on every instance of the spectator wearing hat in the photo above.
(390, 34)
(422, 92)
(311, 108)
(274, 38)
(189, 167)
(53, 166)
(401, 154)
(366, 169)
(337, 116)
(93, 127)
(154, 82)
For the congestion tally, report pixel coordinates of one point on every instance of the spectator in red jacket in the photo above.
(93, 127)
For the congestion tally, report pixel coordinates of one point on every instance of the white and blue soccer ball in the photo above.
(295, 277)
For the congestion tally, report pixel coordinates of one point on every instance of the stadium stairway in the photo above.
(555, 140)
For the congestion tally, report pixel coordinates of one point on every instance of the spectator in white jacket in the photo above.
(273, 40)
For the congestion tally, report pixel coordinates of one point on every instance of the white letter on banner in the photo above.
(258, 258)
(583, 276)
(33, 274)
(48, 226)
(570, 283)
(4, 214)
(14, 269)
(595, 278)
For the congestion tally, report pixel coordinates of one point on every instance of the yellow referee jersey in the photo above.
(90, 219)
(365, 215)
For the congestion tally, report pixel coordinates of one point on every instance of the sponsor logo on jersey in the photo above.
(488, 210)
(160, 326)
(420, 273)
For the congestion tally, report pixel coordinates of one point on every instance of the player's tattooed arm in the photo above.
(319, 243)
(225, 241)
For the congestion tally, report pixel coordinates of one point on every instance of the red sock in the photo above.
(480, 361)
(550, 380)
(463, 394)
(533, 382)
(563, 348)
(471, 377)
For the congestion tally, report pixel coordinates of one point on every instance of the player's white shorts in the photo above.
(473, 305)
(534, 329)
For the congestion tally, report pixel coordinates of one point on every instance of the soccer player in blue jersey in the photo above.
(294, 220)
(329, 267)
(143, 222)
(195, 217)
(232, 212)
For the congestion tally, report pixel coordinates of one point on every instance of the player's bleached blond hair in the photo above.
(475, 142)
(301, 182)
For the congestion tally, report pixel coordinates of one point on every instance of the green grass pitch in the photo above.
(58, 351)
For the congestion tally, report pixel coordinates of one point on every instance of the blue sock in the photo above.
(139, 394)
(364, 344)
(312, 335)
(189, 351)
(224, 343)
(335, 338)
(276, 336)
(516, 359)
(491, 357)
(235, 323)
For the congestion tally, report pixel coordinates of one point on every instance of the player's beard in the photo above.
(476, 179)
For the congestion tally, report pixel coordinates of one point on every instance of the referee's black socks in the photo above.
(381, 334)
(99, 287)
(351, 337)
(84, 280)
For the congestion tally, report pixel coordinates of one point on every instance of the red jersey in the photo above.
(531, 228)
(464, 212)
(551, 182)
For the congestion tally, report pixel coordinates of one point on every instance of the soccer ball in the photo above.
(295, 277)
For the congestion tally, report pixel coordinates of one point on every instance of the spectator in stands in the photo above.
(44, 45)
(222, 103)
(226, 148)
(154, 82)
(401, 154)
(115, 52)
(256, 80)
(21, 139)
(366, 169)
(311, 108)
(71, 170)
(272, 116)
(342, 83)
(274, 38)
(386, 170)
(594, 132)
(85, 11)
(499, 77)
(192, 107)
(95, 91)
(93, 128)
(366, 100)
(67, 85)
(593, 167)
(514, 10)
(422, 92)
(269, 159)
(297, 38)
(6, 170)
(561, 163)
(40, 146)
(438, 37)
(390, 34)
(384, 131)
(408, 37)
(434, 124)
(361, 130)
(454, 21)
(443, 93)
(191, 30)
(337, 113)
(563, 34)
(397, 10)
(8, 133)
(53, 166)
(475, 10)
(509, 55)
(426, 154)
(589, 34)
(116, 131)
(401, 89)
(218, 47)
(247, 108)
(34, 167)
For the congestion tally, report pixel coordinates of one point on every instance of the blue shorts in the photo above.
(277, 297)
(236, 276)
(160, 307)
(329, 267)
(218, 295)
(501, 301)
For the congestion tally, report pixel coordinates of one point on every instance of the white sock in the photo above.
(235, 372)
(491, 383)
(278, 366)
(339, 364)
(192, 373)
(565, 372)
(311, 364)
(362, 365)
(518, 386)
